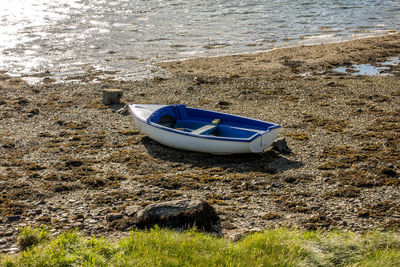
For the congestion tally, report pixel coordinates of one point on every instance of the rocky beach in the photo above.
(69, 161)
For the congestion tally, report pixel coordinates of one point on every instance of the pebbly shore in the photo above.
(69, 161)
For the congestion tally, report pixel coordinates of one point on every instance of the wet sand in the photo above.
(67, 160)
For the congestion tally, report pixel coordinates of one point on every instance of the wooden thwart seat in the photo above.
(205, 129)
(208, 128)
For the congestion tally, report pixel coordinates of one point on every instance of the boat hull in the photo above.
(205, 144)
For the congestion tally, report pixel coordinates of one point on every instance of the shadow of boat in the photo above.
(240, 163)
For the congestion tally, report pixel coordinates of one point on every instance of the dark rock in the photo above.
(23, 102)
(281, 146)
(114, 216)
(6, 234)
(178, 213)
(290, 179)
(190, 88)
(73, 163)
(13, 218)
(8, 146)
(223, 103)
(389, 172)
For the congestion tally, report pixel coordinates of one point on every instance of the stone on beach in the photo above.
(178, 213)
(281, 146)
(123, 111)
(112, 96)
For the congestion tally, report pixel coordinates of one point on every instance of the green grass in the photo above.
(161, 247)
(29, 237)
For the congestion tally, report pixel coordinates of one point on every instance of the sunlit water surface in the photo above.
(70, 37)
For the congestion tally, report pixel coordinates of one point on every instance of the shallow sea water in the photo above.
(70, 37)
(368, 69)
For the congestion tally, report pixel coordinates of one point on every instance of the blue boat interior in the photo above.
(203, 122)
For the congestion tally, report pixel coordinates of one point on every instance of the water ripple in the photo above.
(129, 35)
